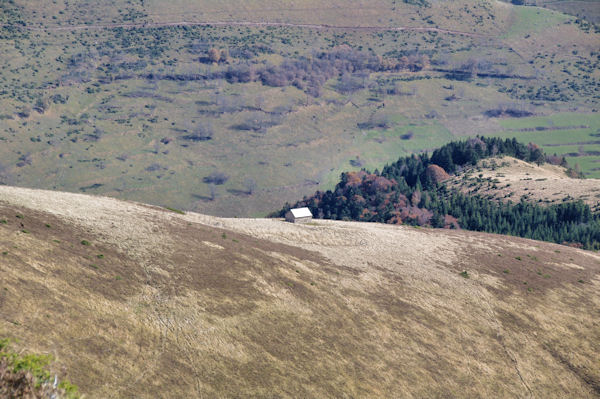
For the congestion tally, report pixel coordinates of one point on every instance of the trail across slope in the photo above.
(143, 25)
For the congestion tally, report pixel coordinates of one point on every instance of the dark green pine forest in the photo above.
(411, 191)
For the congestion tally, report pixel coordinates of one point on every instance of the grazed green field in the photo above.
(575, 135)
(584, 9)
(107, 110)
(530, 20)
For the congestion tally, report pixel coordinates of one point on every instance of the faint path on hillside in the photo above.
(292, 9)
(248, 23)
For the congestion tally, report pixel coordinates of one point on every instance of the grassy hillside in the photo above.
(138, 301)
(120, 98)
(508, 178)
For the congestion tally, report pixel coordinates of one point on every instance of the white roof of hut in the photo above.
(301, 212)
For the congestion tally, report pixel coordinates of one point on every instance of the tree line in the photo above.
(411, 191)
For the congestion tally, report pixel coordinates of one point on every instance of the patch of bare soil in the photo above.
(137, 301)
(511, 179)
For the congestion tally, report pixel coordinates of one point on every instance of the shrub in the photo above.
(357, 163)
(409, 135)
(175, 210)
(250, 185)
(217, 178)
(24, 112)
(258, 122)
(203, 132)
(153, 168)
(27, 376)
(58, 99)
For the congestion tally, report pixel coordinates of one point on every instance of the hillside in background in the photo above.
(138, 301)
(234, 109)
(506, 178)
(420, 190)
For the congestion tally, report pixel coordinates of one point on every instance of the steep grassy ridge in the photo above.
(134, 300)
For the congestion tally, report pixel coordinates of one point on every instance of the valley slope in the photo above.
(139, 301)
(122, 98)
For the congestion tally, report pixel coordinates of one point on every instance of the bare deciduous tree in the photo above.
(213, 191)
(6, 177)
(250, 185)
(202, 132)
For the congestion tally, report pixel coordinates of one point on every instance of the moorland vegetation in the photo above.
(141, 101)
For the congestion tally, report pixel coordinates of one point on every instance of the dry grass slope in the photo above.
(508, 178)
(138, 301)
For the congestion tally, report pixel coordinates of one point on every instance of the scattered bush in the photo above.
(58, 99)
(153, 168)
(27, 376)
(258, 122)
(409, 135)
(509, 111)
(217, 178)
(357, 163)
(250, 185)
(203, 132)
(24, 112)
(376, 121)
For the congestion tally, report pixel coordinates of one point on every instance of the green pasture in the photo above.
(106, 129)
(561, 133)
(529, 20)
